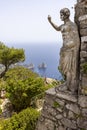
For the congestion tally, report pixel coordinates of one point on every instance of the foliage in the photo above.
(84, 68)
(9, 56)
(0, 101)
(25, 120)
(1, 123)
(23, 86)
(63, 76)
(2, 84)
(55, 83)
(20, 72)
(56, 104)
(0, 111)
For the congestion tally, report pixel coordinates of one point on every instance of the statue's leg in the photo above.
(73, 84)
(68, 80)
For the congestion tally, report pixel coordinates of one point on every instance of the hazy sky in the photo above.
(26, 20)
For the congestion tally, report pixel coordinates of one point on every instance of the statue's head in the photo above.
(81, 0)
(64, 13)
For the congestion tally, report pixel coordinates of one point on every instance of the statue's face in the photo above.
(62, 16)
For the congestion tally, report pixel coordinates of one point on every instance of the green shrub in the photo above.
(25, 120)
(1, 123)
(23, 86)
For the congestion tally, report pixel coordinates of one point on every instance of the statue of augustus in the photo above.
(69, 53)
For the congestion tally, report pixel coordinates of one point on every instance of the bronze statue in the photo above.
(69, 54)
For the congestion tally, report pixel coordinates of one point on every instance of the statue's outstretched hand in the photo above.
(49, 18)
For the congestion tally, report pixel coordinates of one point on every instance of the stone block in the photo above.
(83, 26)
(59, 123)
(59, 116)
(83, 32)
(82, 61)
(84, 80)
(73, 107)
(49, 99)
(80, 10)
(82, 101)
(48, 116)
(50, 111)
(83, 46)
(82, 123)
(83, 84)
(60, 102)
(83, 39)
(51, 91)
(83, 17)
(84, 112)
(49, 124)
(65, 113)
(69, 123)
(71, 115)
(84, 90)
(67, 96)
(59, 110)
(61, 128)
(83, 54)
(46, 125)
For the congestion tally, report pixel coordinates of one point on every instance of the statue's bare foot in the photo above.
(62, 87)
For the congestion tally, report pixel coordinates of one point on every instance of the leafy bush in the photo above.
(23, 86)
(2, 84)
(1, 123)
(25, 120)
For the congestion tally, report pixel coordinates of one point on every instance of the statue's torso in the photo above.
(69, 35)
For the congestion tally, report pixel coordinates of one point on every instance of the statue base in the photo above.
(63, 88)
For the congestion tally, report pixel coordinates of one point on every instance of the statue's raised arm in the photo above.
(57, 28)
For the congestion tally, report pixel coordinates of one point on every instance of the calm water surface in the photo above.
(38, 53)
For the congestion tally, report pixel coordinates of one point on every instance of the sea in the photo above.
(38, 53)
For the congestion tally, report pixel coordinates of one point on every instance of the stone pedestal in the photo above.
(63, 111)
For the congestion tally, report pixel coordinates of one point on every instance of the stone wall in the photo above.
(81, 19)
(63, 111)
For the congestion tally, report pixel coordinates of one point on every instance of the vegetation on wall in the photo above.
(84, 68)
